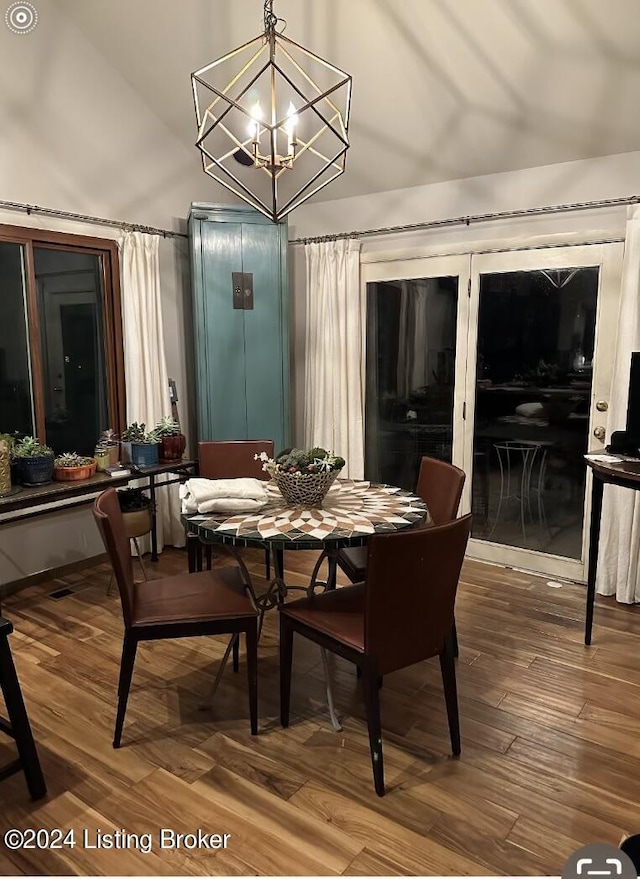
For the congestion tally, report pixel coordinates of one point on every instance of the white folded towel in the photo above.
(215, 495)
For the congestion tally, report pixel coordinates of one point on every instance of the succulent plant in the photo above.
(29, 447)
(134, 433)
(167, 426)
(108, 437)
(316, 460)
(72, 459)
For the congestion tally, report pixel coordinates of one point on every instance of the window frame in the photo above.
(107, 250)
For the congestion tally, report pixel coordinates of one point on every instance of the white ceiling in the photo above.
(443, 89)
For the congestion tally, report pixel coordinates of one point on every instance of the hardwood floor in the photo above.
(550, 742)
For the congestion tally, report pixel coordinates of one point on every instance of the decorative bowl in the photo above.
(73, 474)
(304, 489)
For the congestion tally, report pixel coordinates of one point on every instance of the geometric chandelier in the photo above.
(273, 120)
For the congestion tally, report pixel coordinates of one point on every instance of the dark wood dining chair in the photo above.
(17, 726)
(402, 613)
(439, 485)
(232, 459)
(182, 606)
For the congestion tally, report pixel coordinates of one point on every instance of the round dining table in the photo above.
(350, 514)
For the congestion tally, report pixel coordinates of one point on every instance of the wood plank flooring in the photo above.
(550, 741)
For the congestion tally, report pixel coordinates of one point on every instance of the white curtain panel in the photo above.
(334, 352)
(619, 554)
(146, 379)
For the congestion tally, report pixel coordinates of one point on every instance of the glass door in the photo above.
(541, 338)
(416, 317)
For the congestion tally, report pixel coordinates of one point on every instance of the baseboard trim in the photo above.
(14, 586)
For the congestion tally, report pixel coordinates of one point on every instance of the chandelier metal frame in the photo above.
(255, 141)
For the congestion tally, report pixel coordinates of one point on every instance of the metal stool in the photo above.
(18, 724)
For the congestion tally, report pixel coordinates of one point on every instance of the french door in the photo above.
(539, 351)
(500, 363)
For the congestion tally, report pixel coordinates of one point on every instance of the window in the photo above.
(61, 361)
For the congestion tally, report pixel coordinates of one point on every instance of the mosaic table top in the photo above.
(351, 512)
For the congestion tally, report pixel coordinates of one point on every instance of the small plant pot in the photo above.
(72, 474)
(137, 522)
(144, 454)
(172, 448)
(36, 471)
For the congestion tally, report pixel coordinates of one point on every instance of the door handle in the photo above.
(602, 405)
(599, 433)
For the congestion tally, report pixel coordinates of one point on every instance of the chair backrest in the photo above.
(232, 459)
(108, 516)
(410, 588)
(440, 487)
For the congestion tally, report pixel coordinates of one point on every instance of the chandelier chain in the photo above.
(271, 20)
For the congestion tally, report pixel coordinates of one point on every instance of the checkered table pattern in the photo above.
(351, 512)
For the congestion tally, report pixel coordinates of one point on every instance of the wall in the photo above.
(566, 183)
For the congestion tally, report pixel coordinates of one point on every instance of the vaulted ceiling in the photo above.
(443, 89)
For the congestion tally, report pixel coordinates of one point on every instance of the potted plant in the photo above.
(144, 444)
(35, 461)
(136, 510)
(109, 440)
(71, 466)
(133, 433)
(172, 440)
(303, 477)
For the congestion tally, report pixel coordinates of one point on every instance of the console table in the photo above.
(27, 503)
(626, 474)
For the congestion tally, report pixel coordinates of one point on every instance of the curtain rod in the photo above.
(100, 221)
(473, 218)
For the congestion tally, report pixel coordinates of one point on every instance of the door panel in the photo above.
(539, 324)
(222, 332)
(264, 329)
(414, 377)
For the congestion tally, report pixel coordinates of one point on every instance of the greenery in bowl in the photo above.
(301, 461)
(29, 447)
(72, 459)
(133, 499)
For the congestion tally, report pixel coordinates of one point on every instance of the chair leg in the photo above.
(236, 654)
(144, 571)
(129, 648)
(286, 660)
(252, 673)
(372, 702)
(448, 669)
(19, 721)
(454, 635)
(208, 556)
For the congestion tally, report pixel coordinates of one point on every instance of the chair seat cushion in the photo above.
(353, 562)
(210, 595)
(338, 613)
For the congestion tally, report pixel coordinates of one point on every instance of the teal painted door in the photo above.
(242, 355)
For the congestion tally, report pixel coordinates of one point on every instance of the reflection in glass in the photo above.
(73, 358)
(536, 334)
(411, 339)
(16, 412)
